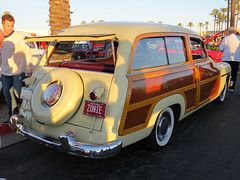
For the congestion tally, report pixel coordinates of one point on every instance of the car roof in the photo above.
(109, 30)
(123, 30)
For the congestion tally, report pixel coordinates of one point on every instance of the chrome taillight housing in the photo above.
(93, 95)
(96, 93)
(51, 94)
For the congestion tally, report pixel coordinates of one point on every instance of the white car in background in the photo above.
(36, 52)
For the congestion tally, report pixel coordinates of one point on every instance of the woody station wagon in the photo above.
(148, 77)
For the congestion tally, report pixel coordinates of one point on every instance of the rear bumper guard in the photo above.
(67, 142)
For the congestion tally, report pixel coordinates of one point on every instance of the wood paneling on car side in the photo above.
(196, 81)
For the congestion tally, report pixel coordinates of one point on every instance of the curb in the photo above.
(5, 129)
(8, 137)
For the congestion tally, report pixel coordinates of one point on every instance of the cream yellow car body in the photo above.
(114, 86)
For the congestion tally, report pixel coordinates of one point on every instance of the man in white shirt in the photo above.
(231, 54)
(16, 61)
(1, 41)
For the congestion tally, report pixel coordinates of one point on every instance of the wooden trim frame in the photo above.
(147, 87)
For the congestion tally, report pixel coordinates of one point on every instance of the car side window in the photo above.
(176, 50)
(198, 50)
(159, 51)
(149, 52)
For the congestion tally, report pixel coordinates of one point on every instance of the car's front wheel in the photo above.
(162, 130)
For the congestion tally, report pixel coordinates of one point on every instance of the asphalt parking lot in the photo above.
(206, 145)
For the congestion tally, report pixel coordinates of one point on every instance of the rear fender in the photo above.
(225, 71)
(167, 102)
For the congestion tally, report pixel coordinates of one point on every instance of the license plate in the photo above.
(95, 109)
(26, 93)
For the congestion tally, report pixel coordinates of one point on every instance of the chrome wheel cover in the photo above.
(164, 127)
(223, 93)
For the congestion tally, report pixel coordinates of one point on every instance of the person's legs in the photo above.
(7, 84)
(234, 67)
(17, 84)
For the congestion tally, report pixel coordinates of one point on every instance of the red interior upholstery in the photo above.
(92, 66)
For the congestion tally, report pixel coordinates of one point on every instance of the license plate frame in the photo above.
(26, 93)
(96, 109)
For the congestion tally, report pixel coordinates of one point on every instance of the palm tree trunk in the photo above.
(228, 14)
(59, 19)
(214, 25)
(59, 15)
(237, 19)
(233, 10)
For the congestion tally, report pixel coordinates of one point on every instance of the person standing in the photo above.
(1, 38)
(16, 61)
(231, 54)
(1, 41)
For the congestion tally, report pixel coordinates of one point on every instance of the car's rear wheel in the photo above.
(162, 130)
(222, 96)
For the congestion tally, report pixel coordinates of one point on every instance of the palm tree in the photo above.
(59, 14)
(218, 23)
(225, 22)
(5, 12)
(233, 11)
(83, 22)
(228, 12)
(190, 24)
(206, 24)
(180, 24)
(214, 13)
(160, 22)
(200, 25)
(223, 11)
(237, 12)
(219, 20)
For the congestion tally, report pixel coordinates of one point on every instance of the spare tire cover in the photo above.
(68, 101)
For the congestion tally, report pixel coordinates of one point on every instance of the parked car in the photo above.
(212, 44)
(37, 53)
(80, 48)
(92, 54)
(93, 109)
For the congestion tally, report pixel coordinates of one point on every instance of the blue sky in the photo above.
(33, 14)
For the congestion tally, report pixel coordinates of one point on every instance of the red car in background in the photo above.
(94, 54)
(212, 45)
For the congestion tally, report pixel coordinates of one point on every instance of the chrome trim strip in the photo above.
(159, 69)
(225, 74)
(67, 143)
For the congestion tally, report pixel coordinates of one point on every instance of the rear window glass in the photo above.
(83, 50)
(85, 55)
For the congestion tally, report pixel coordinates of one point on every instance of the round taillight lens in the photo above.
(93, 95)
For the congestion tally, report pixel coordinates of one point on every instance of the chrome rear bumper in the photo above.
(67, 143)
